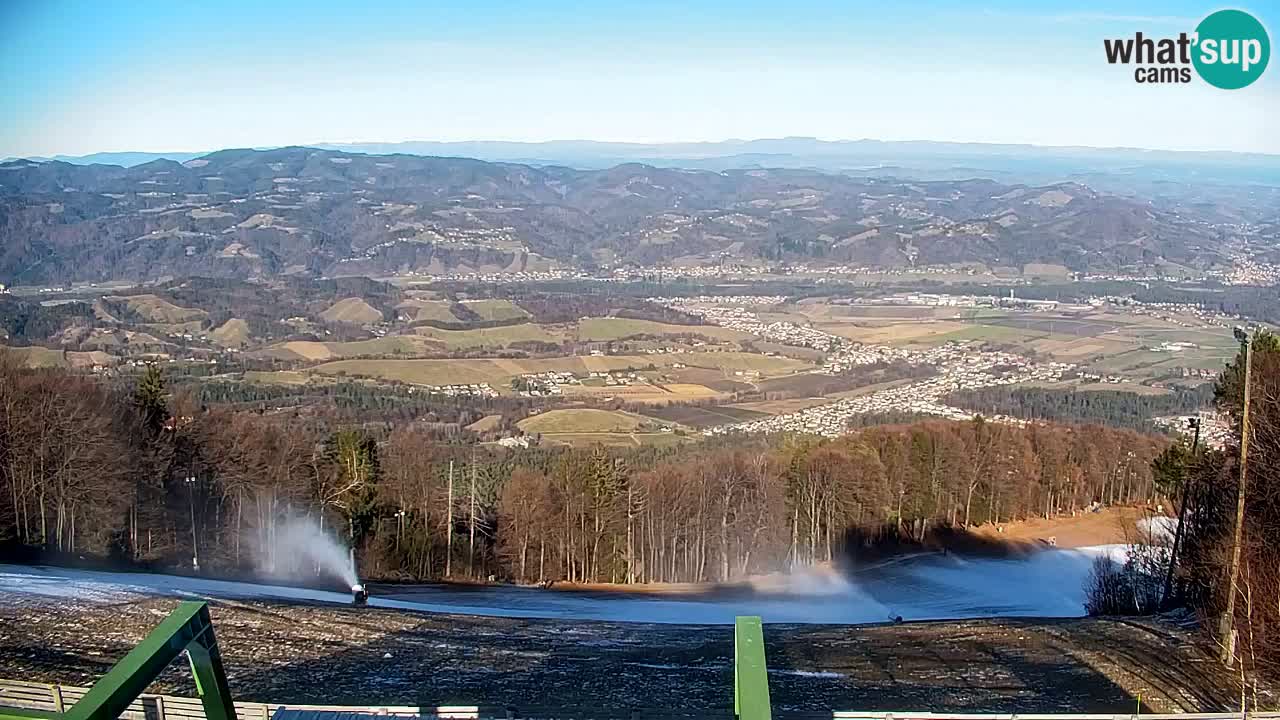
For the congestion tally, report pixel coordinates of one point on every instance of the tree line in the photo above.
(1109, 407)
(147, 476)
(1209, 481)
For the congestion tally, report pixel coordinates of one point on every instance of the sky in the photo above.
(78, 77)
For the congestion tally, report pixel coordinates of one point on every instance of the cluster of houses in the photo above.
(1174, 313)
(544, 384)
(959, 368)
(482, 390)
(966, 370)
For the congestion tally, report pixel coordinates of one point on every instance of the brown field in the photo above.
(404, 345)
(232, 333)
(717, 380)
(700, 417)
(604, 329)
(496, 337)
(893, 333)
(486, 423)
(582, 420)
(153, 309)
(644, 392)
(491, 370)
(352, 310)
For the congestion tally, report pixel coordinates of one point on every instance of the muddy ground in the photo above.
(298, 653)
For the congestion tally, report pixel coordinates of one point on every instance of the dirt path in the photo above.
(327, 654)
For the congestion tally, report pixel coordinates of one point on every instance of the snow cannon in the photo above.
(359, 595)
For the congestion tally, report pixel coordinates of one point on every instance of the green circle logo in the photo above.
(1232, 49)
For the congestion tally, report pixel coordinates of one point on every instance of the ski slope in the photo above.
(928, 587)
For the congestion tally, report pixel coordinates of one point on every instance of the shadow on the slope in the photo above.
(596, 669)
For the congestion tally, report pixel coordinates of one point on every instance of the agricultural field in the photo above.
(313, 351)
(38, 357)
(583, 420)
(352, 310)
(418, 310)
(499, 371)
(696, 416)
(151, 309)
(496, 310)
(1108, 342)
(494, 337)
(232, 333)
(605, 329)
(591, 426)
(879, 332)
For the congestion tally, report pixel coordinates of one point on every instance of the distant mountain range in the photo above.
(324, 212)
(1116, 169)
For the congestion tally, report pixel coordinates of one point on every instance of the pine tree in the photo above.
(151, 398)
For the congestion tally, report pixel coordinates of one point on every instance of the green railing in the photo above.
(189, 629)
(750, 674)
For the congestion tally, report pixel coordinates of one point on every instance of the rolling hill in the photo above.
(306, 212)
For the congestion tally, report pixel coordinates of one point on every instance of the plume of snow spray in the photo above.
(299, 548)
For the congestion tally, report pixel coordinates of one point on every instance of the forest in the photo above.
(149, 476)
(1209, 483)
(1109, 407)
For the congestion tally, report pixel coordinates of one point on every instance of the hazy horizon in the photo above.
(357, 145)
(83, 78)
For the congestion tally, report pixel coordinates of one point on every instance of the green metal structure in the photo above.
(189, 629)
(750, 674)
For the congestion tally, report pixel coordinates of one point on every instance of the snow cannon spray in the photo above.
(359, 593)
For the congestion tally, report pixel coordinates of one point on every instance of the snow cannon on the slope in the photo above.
(359, 595)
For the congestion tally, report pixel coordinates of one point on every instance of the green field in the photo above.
(406, 345)
(429, 310)
(496, 310)
(497, 337)
(37, 357)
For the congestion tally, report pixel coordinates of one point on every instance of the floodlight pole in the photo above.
(1228, 618)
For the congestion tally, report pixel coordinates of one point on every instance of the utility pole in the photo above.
(1187, 480)
(1228, 619)
(448, 556)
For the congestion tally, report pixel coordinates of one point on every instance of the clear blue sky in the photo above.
(104, 75)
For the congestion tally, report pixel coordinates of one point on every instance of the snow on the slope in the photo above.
(930, 587)
(1157, 528)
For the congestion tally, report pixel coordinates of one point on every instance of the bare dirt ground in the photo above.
(1108, 526)
(298, 653)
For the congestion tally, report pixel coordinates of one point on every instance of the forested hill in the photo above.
(307, 211)
(1108, 407)
(92, 470)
